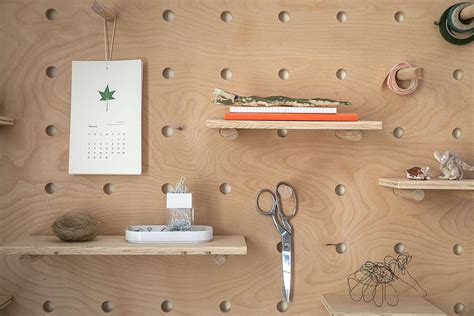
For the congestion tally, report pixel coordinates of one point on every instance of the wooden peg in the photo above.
(103, 10)
(416, 195)
(220, 259)
(410, 73)
(229, 133)
(350, 135)
(4, 120)
(28, 259)
(467, 13)
(285, 191)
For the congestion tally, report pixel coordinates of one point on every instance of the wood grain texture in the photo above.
(117, 245)
(5, 300)
(433, 184)
(255, 45)
(342, 305)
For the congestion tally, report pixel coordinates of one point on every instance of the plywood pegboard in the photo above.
(312, 45)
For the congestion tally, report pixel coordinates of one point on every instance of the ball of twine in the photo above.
(75, 226)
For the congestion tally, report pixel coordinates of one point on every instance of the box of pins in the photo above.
(180, 208)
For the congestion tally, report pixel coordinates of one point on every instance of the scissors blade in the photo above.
(286, 264)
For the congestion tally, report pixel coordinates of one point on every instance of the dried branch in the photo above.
(226, 98)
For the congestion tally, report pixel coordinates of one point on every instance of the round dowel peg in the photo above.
(416, 195)
(229, 133)
(410, 73)
(350, 135)
(103, 10)
(285, 191)
(27, 259)
(220, 259)
(467, 13)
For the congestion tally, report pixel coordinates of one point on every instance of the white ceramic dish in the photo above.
(158, 234)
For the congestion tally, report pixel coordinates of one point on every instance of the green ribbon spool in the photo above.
(451, 36)
(456, 23)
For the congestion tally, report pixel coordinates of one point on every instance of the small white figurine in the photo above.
(451, 166)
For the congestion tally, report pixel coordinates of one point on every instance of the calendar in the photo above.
(106, 103)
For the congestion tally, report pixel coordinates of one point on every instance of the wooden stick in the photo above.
(467, 13)
(103, 10)
(416, 195)
(410, 73)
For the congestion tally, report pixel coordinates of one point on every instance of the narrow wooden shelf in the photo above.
(6, 121)
(341, 305)
(117, 245)
(317, 125)
(5, 300)
(434, 184)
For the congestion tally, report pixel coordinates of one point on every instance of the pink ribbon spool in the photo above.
(392, 84)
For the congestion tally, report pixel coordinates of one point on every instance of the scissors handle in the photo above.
(286, 187)
(257, 202)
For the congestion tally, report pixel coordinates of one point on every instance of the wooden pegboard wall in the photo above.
(184, 59)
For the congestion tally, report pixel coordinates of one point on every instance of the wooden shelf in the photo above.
(117, 245)
(318, 125)
(351, 131)
(434, 184)
(6, 121)
(341, 305)
(5, 300)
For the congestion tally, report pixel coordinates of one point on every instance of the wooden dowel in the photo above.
(220, 259)
(5, 118)
(103, 10)
(467, 13)
(285, 191)
(350, 135)
(416, 195)
(229, 133)
(410, 73)
(28, 259)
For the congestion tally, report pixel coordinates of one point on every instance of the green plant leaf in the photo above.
(106, 94)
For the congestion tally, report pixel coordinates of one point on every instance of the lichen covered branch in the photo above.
(226, 98)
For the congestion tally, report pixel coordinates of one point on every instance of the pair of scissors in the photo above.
(282, 225)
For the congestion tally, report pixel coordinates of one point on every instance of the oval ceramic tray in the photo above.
(158, 234)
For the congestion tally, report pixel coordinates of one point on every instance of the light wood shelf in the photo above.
(6, 120)
(318, 125)
(433, 184)
(342, 305)
(351, 131)
(414, 189)
(117, 245)
(5, 300)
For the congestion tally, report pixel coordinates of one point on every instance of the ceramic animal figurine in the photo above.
(451, 167)
(417, 173)
(226, 98)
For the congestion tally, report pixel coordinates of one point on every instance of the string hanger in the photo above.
(107, 14)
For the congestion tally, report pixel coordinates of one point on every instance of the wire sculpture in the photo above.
(373, 281)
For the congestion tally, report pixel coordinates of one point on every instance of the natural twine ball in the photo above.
(75, 226)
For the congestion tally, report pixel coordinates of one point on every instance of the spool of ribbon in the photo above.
(454, 28)
(392, 84)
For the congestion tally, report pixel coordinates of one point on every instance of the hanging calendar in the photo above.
(106, 102)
